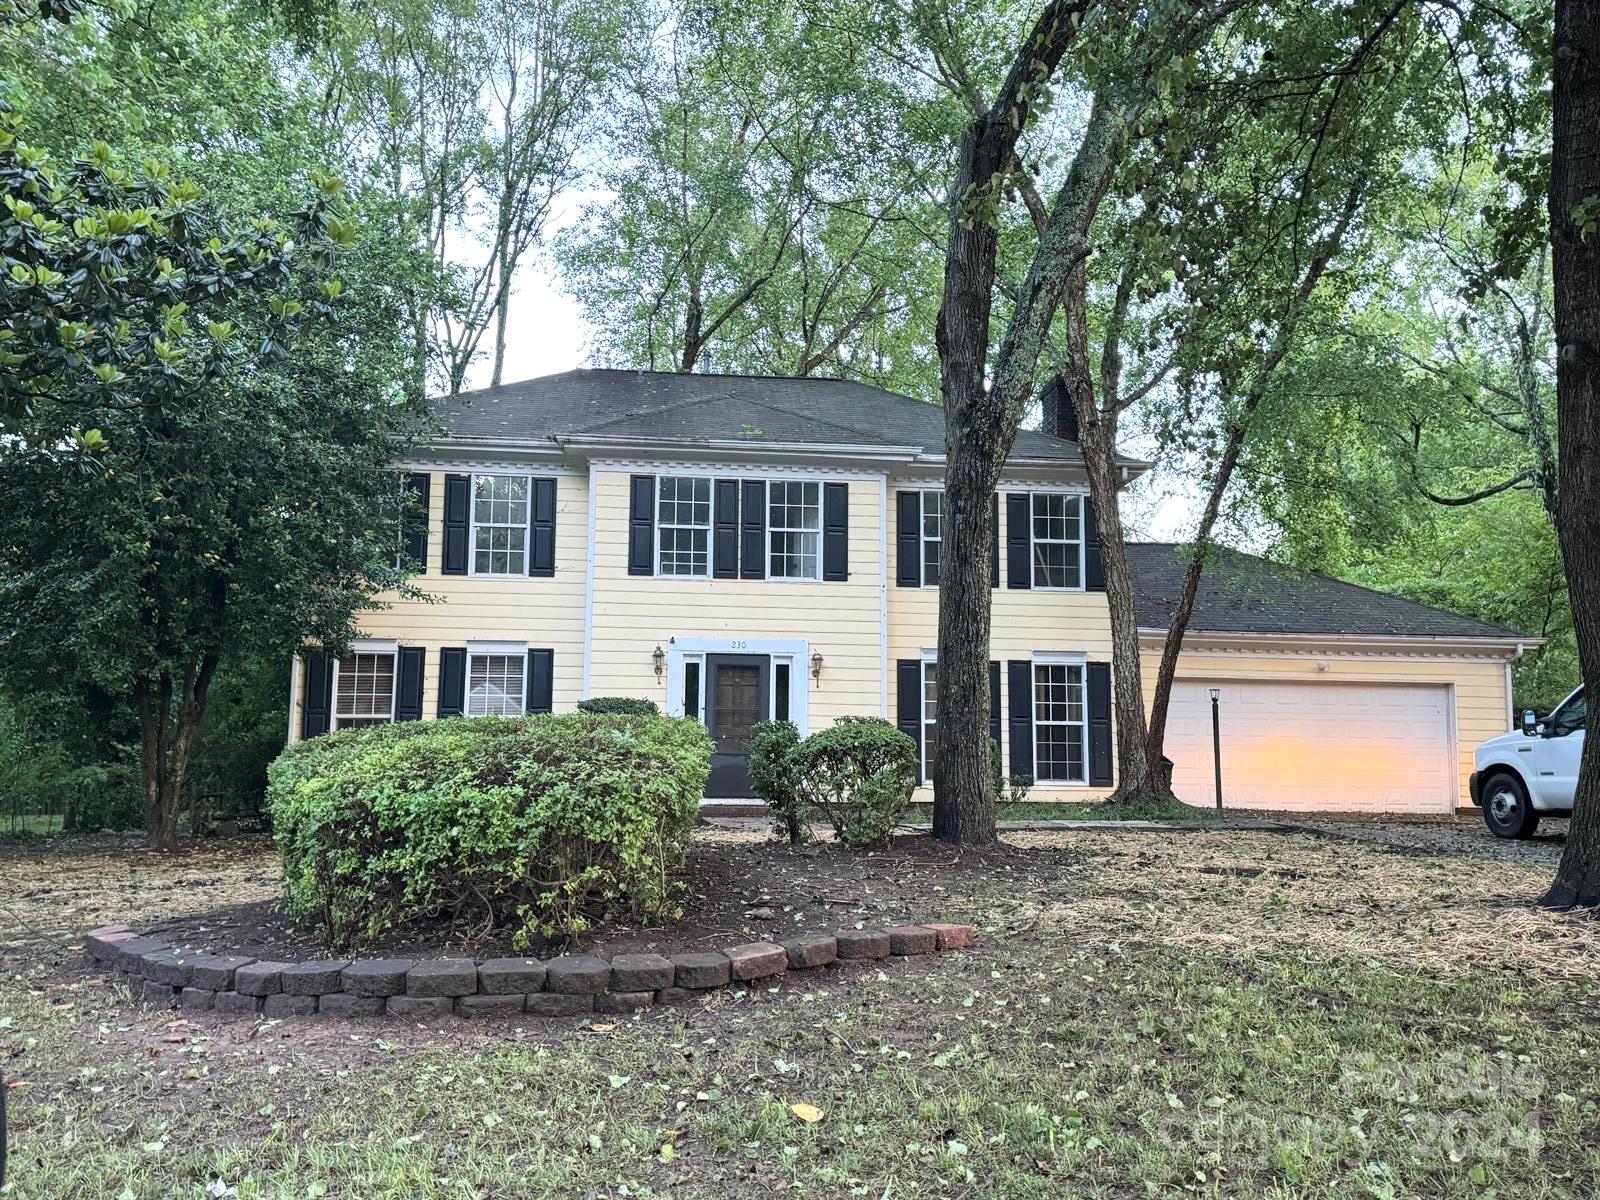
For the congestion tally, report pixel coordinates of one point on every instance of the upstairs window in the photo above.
(683, 519)
(499, 524)
(363, 690)
(932, 536)
(1057, 530)
(794, 530)
(1059, 729)
(495, 684)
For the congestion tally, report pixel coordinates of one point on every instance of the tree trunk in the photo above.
(1575, 184)
(502, 303)
(166, 743)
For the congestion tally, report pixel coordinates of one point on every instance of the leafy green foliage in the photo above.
(619, 706)
(540, 824)
(859, 773)
(1008, 789)
(773, 775)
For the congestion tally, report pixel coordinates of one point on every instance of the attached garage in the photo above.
(1331, 697)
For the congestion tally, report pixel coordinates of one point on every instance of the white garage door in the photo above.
(1343, 747)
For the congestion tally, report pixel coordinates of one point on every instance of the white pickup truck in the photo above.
(1532, 772)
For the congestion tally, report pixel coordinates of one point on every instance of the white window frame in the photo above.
(495, 650)
(389, 649)
(922, 534)
(930, 658)
(473, 525)
(709, 527)
(773, 530)
(1033, 577)
(1079, 661)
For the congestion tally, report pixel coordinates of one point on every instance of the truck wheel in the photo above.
(1506, 810)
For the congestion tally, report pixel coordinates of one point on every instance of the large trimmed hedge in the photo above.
(538, 824)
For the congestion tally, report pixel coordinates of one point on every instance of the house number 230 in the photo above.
(736, 645)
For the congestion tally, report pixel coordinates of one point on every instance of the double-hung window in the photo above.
(363, 689)
(499, 524)
(930, 713)
(684, 524)
(496, 682)
(1060, 730)
(1057, 540)
(932, 536)
(794, 529)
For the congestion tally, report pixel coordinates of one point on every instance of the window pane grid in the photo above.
(365, 692)
(794, 524)
(684, 518)
(1058, 722)
(932, 535)
(1057, 539)
(500, 524)
(494, 685)
(930, 715)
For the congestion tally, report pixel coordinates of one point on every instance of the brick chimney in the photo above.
(1060, 417)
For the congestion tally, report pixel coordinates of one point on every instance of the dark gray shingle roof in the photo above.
(699, 408)
(1240, 593)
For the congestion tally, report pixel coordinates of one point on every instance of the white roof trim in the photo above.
(1509, 647)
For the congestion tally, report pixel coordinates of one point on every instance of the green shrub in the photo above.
(1009, 789)
(859, 774)
(537, 824)
(774, 778)
(618, 706)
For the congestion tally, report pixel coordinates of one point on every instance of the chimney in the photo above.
(1060, 417)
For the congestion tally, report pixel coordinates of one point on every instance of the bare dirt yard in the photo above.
(1367, 1009)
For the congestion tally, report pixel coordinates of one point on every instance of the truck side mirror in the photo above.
(1530, 723)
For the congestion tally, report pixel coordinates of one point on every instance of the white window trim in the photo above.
(373, 647)
(696, 649)
(821, 531)
(472, 525)
(710, 525)
(487, 650)
(923, 539)
(929, 658)
(1058, 658)
(1083, 564)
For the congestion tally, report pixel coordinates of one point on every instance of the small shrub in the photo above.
(1008, 789)
(618, 706)
(774, 777)
(860, 774)
(539, 824)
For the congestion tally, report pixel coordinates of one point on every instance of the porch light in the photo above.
(816, 664)
(659, 657)
(1216, 694)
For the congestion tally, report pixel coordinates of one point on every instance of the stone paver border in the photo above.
(570, 985)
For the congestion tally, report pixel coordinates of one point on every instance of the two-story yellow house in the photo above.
(741, 548)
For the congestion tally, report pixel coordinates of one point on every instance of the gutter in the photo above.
(1513, 644)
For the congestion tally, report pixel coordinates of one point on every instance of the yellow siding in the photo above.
(1478, 688)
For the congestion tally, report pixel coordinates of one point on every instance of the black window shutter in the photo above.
(994, 540)
(316, 710)
(725, 551)
(452, 681)
(457, 513)
(414, 520)
(753, 539)
(908, 703)
(908, 539)
(1100, 724)
(642, 525)
(836, 532)
(542, 528)
(1021, 673)
(1019, 567)
(994, 701)
(1094, 572)
(408, 688)
(541, 680)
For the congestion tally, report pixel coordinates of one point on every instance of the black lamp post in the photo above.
(1216, 742)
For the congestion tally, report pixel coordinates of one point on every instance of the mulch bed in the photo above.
(735, 889)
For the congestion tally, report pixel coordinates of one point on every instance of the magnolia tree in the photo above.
(195, 435)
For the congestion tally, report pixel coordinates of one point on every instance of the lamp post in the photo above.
(1216, 742)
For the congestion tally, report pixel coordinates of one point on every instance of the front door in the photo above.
(737, 696)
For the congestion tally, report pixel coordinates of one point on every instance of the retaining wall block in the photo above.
(172, 967)
(677, 995)
(283, 1004)
(195, 999)
(815, 950)
(623, 1002)
(953, 937)
(215, 971)
(130, 952)
(862, 943)
(559, 1004)
(259, 979)
(419, 1007)
(343, 1004)
(912, 939)
(313, 978)
(577, 975)
(510, 976)
(237, 1004)
(433, 977)
(101, 944)
(376, 976)
(160, 994)
(640, 972)
(502, 1004)
(757, 960)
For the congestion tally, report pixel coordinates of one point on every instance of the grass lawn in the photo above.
(1149, 1014)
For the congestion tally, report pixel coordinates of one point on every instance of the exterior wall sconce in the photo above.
(816, 664)
(659, 657)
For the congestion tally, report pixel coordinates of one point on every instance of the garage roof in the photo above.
(1241, 593)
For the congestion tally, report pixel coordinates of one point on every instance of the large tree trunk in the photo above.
(1575, 183)
(166, 743)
